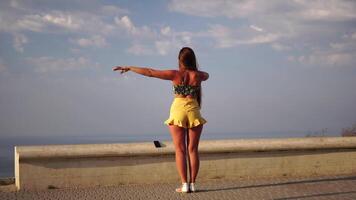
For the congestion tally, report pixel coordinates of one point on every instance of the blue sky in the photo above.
(275, 66)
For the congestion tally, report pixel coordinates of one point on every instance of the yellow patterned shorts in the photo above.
(185, 112)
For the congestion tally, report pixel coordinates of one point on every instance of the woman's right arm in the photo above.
(161, 74)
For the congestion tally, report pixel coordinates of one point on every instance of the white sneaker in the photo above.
(192, 187)
(184, 188)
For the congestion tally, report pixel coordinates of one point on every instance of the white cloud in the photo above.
(186, 39)
(143, 32)
(29, 22)
(50, 64)
(212, 8)
(164, 43)
(327, 59)
(226, 37)
(28, 16)
(125, 22)
(296, 24)
(223, 35)
(280, 47)
(19, 41)
(139, 49)
(260, 39)
(256, 28)
(166, 30)
(338, 59)
(170, 40)
(284, 25)
(96, 41)
(329, 10)
(113, 10)
(163, 46)
(95, 29)
(45, 21)
(148, 41)
(61, 20)
(338, 54)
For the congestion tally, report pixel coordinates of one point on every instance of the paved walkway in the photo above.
(336, 187)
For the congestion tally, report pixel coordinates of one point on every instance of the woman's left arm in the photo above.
(161, 74)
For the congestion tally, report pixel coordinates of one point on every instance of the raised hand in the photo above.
(122, 69)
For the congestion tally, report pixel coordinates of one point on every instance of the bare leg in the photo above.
(189, 163)
(178, 136)
(193, 143)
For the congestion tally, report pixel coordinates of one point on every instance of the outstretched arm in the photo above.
(161, 74)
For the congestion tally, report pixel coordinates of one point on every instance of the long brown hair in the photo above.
(187, 58)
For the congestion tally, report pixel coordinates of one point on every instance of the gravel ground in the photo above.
(335, 187)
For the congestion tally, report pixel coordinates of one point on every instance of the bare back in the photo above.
(188, 77)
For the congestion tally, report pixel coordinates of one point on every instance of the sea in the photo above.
(7, 144)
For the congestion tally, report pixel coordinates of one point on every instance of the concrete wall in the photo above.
(61, 166)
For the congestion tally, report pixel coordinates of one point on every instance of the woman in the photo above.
(185, 122)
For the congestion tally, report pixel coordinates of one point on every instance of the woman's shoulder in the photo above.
(197, 72)
(202, 72)
(199, 75)
(203, 75)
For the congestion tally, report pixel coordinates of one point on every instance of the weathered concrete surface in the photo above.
(66, 166)
(207, 146)
(328, 188)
